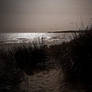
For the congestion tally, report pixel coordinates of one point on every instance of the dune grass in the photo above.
(10, 74)
(76, 60)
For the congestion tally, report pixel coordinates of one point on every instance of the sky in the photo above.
(44, 15)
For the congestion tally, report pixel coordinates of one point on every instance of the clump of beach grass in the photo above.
(10, 74)
(76, 60)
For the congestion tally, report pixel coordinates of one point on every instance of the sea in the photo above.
(48, 38)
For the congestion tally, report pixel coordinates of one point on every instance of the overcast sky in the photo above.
(44, 15)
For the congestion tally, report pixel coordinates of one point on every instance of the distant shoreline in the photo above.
(71, 31)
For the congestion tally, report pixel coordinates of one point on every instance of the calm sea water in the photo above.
(29, 37)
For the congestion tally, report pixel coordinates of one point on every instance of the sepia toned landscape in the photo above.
(45, 45)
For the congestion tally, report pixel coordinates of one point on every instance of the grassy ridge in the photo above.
(76, 60)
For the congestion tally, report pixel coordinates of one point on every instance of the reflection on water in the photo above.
(29, 37)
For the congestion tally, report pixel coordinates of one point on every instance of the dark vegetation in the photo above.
(30, 58)
(76, 61)
(74, 58)
(10, 74)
